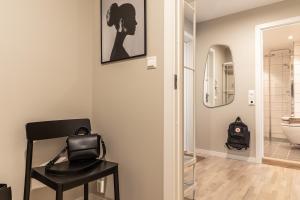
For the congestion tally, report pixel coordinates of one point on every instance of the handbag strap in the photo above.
(103, 149)
(62, 152)
(82, 131)
(56, 158)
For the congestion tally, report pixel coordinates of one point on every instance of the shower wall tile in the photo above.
(297, 96)
(296, 70)
(266, 76)
(286, 60)
(276, 106)
(266, 93)
(278, 99)
(297, 60)
(297, 49)
(267, 122)
(277, 129)
(266, 85)
(297, 78)
(277, 91)
(276, 60)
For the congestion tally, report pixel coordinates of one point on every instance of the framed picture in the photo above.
(123, 29)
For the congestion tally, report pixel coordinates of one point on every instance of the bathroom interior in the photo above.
(281, 93)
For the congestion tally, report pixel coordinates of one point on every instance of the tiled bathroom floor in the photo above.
(281, 150)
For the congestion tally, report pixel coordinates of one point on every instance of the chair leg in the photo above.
(27, 183)
(27, 188)
(86, 191)
(116, 185)
(59, 193)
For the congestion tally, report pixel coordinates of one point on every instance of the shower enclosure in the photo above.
(278, 91)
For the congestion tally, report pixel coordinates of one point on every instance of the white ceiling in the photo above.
(211, 9)
(278, 38)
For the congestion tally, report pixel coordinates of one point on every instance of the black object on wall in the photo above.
(123, 30)
(5, 192)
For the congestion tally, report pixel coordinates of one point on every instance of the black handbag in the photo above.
(5, 192)
(83, 150)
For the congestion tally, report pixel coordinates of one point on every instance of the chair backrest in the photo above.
(55, 129)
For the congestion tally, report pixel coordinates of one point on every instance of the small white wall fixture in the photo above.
(259, 79)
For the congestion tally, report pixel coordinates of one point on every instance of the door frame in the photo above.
(173, 100)
(259, 77)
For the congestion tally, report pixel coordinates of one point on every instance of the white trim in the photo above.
(205, 153)
(259, 110)
(173, 159)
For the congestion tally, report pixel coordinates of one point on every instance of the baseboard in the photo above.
(204, 152)
(281, 163)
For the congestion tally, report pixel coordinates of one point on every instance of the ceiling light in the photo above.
(291, 37)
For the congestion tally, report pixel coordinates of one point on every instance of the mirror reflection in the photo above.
(219, 81)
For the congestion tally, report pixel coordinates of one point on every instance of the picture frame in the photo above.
(123, 30)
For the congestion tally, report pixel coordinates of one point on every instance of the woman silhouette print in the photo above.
(123, 18)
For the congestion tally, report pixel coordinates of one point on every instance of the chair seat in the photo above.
(67, 182)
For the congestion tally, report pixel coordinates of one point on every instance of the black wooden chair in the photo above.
(56, 129)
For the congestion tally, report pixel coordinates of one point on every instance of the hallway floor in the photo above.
(226, 179)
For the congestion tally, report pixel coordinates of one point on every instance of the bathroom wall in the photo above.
(277, 91)
(297, 78)
(46, 60)
(128, 110)
(238, 32)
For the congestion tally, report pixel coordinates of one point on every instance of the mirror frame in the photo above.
(210, 107)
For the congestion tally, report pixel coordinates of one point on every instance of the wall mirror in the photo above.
(219, 80)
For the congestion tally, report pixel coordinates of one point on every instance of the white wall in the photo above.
(46, 60)
(238, 32)
(49, 56)
(128, 111)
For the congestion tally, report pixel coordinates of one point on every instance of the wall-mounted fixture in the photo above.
(251, 97)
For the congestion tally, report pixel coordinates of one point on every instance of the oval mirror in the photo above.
(219, 84)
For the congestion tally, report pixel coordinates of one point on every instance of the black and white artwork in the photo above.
(123, 29)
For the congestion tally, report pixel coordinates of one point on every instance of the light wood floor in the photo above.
(225, 179)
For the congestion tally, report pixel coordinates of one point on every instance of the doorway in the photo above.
(276, 110)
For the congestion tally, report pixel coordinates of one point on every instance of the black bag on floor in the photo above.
(238, 135)
(5, 192)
